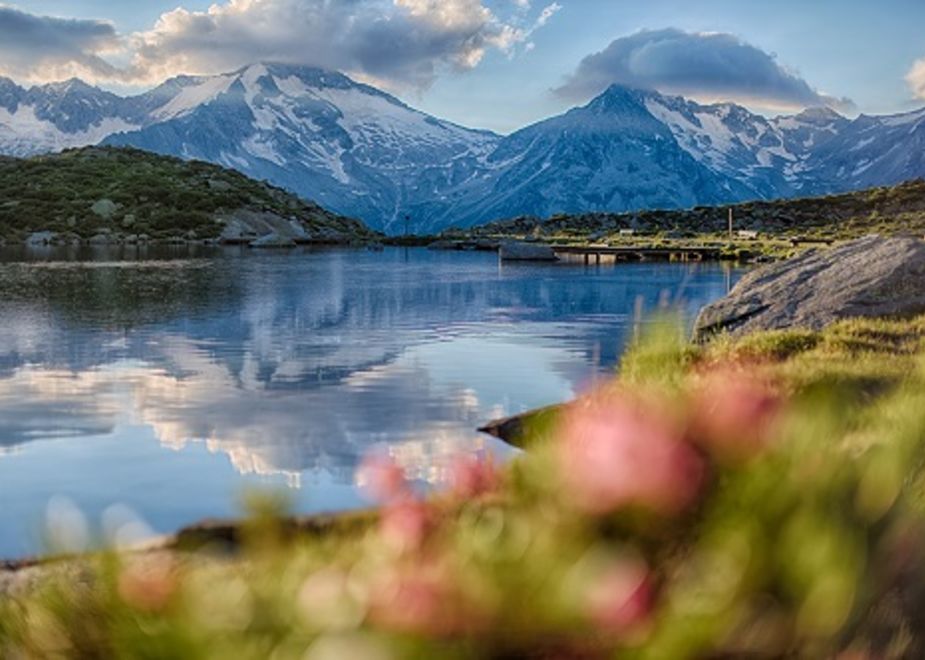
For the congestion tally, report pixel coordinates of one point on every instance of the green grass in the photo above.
(863, 353)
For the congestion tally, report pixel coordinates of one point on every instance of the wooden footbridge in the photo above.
(640, 253)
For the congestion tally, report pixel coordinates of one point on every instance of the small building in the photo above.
(627, 232)
(748, 234)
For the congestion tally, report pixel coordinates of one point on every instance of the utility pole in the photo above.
(730, 222)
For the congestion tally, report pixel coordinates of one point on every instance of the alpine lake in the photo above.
(163, 384)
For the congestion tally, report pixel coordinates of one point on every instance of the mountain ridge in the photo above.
(365, 153)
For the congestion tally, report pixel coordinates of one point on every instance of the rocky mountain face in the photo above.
(58, 116)
(611, 154)
(341, 143)
(364, 153)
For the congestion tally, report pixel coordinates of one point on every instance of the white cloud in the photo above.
(708, 66)
(548, 12)
(916, 79)
(36, 47)
(399, 43)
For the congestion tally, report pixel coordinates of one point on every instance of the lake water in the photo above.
(170, 383)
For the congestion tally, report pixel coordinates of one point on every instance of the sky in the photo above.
(496, 64)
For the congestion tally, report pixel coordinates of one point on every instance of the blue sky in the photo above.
(496, 63)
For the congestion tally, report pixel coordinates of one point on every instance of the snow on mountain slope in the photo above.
(349, 146)
(810, 129)
(197, 92)
(729, 140)
(870, 151)
(23, 133)
(612, 154)
(58, 116)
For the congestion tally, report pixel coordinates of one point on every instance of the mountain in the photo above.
(59, 116)
(107, 195)
(611, 154)
(870, 151)
(342, 143)
(364, 153)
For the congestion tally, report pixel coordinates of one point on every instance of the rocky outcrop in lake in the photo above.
(868, 277)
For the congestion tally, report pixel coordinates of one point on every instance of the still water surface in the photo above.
(170, 383)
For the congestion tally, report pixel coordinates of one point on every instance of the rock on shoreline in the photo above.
(522, 251)
(869, 277)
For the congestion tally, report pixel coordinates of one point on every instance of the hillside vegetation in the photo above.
(894, 210)
(114, 195)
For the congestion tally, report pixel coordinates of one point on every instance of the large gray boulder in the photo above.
(870, 277)
(522, 251)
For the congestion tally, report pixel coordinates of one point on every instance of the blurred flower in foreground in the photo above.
(734, 413)
(404, 524)
(354, 647)
(621, 597)
(326, 601)
(418, 599)
(148, 584)
(621, 450)
(382, 478)
(471, 476)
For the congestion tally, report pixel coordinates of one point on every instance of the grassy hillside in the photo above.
(112, 195)
(895, 210)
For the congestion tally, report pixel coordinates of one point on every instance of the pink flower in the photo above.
(418, 600)
(405, 524)
(620, 600)
(619, 450)
(148, 585)
(382, 478)
(734, 414)
(472, 476)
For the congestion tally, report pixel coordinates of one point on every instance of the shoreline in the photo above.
(692, 251)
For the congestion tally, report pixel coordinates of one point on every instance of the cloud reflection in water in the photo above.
(292, 366)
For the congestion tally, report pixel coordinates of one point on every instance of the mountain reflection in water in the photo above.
(125, 378)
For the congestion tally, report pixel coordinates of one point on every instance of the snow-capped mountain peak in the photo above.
(56, 116)
(347, 145)
(819, 116)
